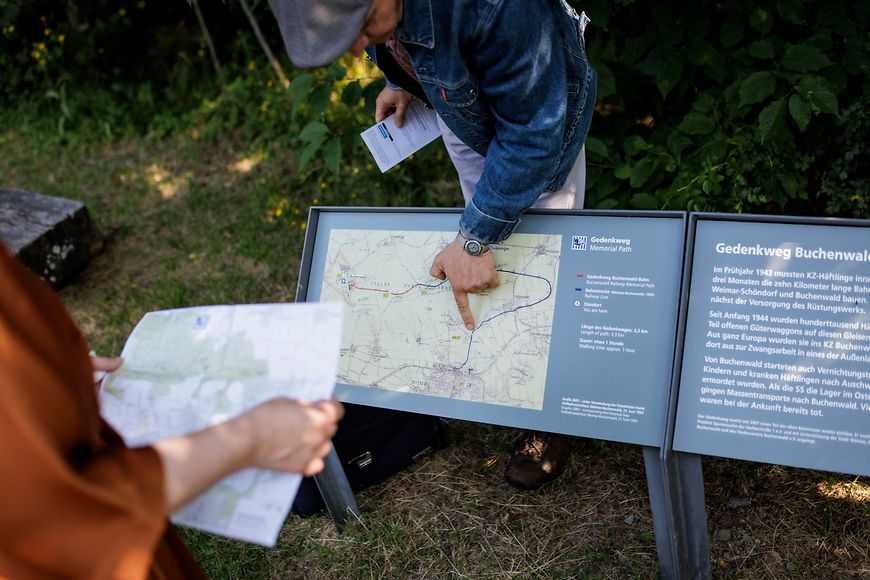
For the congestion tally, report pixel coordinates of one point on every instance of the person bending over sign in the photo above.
(77, 503)
(514, 93)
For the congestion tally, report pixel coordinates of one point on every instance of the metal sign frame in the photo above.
(674, 481)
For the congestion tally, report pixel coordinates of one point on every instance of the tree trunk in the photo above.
(272, 60)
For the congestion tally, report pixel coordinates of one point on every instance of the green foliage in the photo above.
(846, 184)
(131, 63)
(64, 111)
(730, 106)
(141, 67)
(314, 126)
(711, 106)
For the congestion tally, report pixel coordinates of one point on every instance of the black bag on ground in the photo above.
(373, 444)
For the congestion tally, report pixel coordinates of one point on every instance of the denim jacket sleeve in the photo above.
(521, 68)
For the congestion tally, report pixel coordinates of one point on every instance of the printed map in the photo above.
(403, 331)
(187, 369)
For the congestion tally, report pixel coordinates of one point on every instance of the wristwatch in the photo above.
(471, 246)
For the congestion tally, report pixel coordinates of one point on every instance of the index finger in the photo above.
(382, 112)
(399, 118)
(464, 310)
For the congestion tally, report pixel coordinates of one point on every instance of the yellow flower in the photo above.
(47, 31)
(35, 54)
(60, 37)
(252, 65)
(856, 197)
(278, 212)
(302, 226)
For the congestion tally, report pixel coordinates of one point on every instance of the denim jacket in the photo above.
(512, 80)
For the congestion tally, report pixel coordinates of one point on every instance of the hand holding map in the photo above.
(293, 435)
(280, 434)
(192, 368)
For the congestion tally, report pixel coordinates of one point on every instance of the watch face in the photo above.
(473, 247)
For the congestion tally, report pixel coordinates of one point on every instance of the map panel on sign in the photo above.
(403, 331)
(578, 338)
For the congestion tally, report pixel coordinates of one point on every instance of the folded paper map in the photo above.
(194, 367)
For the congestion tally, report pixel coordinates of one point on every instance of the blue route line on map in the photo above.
(471, 338)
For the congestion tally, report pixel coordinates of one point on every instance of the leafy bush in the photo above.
(142, 66)
(846, 184)
(711, 106)
(730, 106)
(125, 62)
(315, 124)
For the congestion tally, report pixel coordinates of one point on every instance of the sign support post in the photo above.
(676, 493)
(335, 489)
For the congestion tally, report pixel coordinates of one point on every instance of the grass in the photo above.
(190, 222)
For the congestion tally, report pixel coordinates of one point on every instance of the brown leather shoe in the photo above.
(540, 458)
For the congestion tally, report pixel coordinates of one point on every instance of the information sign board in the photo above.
(577, 339)
(776, 355)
